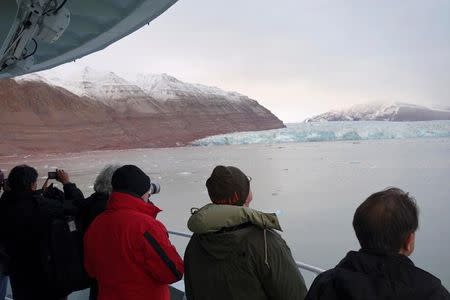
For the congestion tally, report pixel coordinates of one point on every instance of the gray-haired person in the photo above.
(96, 203)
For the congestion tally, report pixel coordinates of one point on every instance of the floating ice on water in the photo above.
(333, 131)
(184, 173)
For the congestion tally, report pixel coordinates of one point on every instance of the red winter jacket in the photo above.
(129, 253)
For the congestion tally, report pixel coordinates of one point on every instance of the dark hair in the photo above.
(224, 182)
(22, 177)
(385, 219)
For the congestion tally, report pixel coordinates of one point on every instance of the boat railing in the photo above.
(300, 265)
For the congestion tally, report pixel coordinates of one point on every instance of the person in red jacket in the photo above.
(126, 249)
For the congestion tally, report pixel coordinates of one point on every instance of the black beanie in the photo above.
(224, 182)
(130, 179)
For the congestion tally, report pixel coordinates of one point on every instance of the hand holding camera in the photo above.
(59, 175)
(53, 192)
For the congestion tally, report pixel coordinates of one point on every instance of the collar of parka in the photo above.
(214, 217)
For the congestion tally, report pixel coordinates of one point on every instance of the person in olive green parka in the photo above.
(235, 252)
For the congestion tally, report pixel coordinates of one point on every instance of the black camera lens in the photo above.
(155, 188)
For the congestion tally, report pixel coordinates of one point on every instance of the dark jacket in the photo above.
(129, 252)
(90, 208)
(24, 220)
(235, 254)
(372, 275)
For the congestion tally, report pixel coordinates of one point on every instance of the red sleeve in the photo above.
(158, 256)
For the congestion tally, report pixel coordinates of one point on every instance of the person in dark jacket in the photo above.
(235, 252)
(385, 225)
(127, 250)
(25, 216)
(94, 205)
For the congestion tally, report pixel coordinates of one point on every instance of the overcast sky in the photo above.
(296, 57)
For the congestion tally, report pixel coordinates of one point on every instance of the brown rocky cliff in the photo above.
(37, 117)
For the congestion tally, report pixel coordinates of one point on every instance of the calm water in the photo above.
(316, 186)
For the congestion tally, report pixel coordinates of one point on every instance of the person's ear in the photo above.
(408, 245)
(249, 198)
(234, 198)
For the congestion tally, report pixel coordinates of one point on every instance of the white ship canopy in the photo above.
(40, 34)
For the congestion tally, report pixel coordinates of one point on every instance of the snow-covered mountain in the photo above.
(146, 92)
(108, 86)
(383, 112)
(90, 110)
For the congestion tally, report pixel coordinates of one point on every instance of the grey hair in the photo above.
(102, 183)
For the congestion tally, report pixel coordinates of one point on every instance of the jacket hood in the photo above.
(220, 229)
(214, 217)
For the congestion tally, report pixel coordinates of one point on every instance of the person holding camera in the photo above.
(25, 217)
(127, 250)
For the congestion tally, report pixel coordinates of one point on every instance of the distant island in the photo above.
(93, 110)
(396, 112)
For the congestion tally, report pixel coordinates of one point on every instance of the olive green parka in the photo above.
(236, 254)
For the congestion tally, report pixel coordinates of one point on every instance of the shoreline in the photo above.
(190, 145)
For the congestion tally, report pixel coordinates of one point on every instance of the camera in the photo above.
(51, 175)
(155, 188)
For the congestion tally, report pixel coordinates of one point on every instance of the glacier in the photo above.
(333, 131)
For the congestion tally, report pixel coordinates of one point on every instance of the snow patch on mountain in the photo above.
(88, 82)
(108, 86)
(368, 112)
(164, 87)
